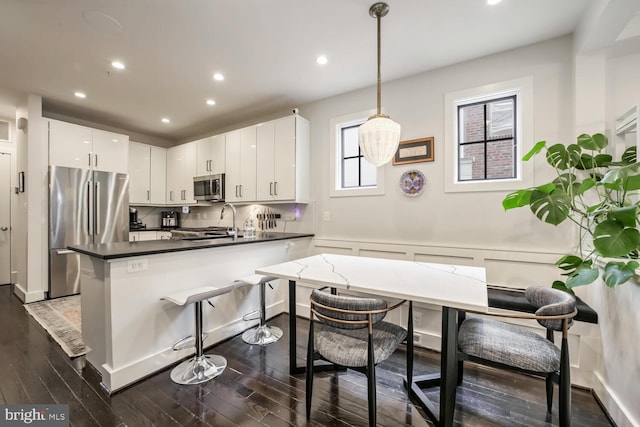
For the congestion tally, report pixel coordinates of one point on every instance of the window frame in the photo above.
(336, 125)
(522, 88)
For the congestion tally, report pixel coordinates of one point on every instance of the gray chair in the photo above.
(350, 333)
(504, 345)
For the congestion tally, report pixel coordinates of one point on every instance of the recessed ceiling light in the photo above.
(165, 120)
(322, 60)
(118, 65)
(219, 77)
(80, 95)
(211, 102)
(492, 2)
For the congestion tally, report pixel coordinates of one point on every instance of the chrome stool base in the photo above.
(198, 369)
(262, 335)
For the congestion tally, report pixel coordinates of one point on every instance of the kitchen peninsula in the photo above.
(129, 331)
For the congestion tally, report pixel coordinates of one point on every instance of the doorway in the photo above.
(5, 218)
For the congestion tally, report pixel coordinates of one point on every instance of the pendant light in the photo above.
(379, 135)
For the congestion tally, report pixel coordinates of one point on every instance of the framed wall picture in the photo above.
(414, 151)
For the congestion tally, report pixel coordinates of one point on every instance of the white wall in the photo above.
(618, 371)
(475, 220)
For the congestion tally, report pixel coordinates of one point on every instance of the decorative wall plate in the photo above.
(412, 182)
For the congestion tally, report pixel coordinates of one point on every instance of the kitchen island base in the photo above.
(129, 331)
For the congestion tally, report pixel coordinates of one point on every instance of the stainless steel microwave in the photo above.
(209, 188)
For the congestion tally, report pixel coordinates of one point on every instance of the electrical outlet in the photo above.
(326, 216)
(135, 265)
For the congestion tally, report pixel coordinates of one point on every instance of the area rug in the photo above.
(60, 317)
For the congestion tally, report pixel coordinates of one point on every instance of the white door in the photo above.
(5, 218)
(110, 151)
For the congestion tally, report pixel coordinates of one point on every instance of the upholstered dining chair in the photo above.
(351, 333)
(505, 345)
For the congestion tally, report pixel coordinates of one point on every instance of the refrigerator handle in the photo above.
(90, 208)
(96, 213)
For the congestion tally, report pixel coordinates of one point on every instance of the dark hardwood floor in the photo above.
(256, 389)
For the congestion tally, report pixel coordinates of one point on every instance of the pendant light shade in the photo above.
(379, 136)
(378, 139)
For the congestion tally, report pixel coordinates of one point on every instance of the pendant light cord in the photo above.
(379, 74)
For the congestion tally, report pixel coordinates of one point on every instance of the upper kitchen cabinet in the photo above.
(283, 160)
(147, 174)
(78, 146)
(210, 155)
(240, 177)
(181, 168)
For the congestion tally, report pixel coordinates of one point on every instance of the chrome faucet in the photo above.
(234, 230)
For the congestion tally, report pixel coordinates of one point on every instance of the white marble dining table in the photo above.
(453, 287)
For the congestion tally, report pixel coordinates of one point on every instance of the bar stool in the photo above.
(261, 334)
(202, 367)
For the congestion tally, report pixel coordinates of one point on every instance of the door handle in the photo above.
(271, 188)
(89, 159)
(171, 195)
(240, 190)
(96, 197)
(275, 188)
(4, 228)
(64, 252)
(148, 195)
(95, 158)
(89, 207)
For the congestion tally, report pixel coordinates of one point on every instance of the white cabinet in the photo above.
(147, 174)
(240, 177)
(210, 155)
(283, 160)
(181, 168)
(78, 146)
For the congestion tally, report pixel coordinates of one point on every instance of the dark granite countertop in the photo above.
(133, 230)
(108, 251)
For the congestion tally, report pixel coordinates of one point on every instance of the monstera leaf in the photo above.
(594, 142)
(552, 208)
(616, 272)
(626, 178)
(612, 239)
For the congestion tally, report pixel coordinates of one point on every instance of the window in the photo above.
(357, 172)
(351, 173)
(487, 131)
(487, 139)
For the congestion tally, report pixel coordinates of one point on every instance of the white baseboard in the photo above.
(27, 297)
(618, 412)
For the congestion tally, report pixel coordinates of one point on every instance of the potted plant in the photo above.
(600, 196)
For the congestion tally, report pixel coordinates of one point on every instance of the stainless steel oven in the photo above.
(209, 188)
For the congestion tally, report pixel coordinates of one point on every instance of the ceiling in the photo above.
(266, 50)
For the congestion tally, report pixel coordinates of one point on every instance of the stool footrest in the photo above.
(188, 342)
(252, 315)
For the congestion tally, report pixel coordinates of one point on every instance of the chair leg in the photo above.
(371, 384)
(460, 371)
(565, 385)
(309, 373)
(549, 386)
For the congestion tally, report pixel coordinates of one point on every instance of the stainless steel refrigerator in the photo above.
(84, 207)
